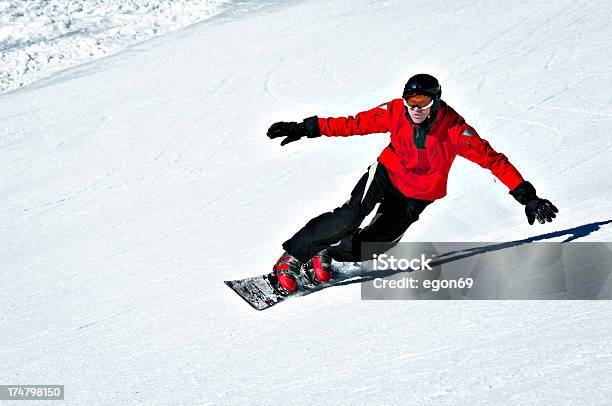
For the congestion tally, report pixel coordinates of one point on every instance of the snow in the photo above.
(133, 185)
(39, 37)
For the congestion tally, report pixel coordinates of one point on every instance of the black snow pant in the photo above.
(338, 231)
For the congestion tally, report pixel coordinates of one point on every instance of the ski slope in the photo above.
(132, 186)
(38, 38)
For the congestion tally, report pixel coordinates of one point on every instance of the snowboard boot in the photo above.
(285, 273)
(319, 268)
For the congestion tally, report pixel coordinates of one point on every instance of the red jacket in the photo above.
(423, 173)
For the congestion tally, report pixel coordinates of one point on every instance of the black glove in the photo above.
(293, 131)
(535, 208)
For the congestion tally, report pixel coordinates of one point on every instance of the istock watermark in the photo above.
(513, 270)
(384, 262)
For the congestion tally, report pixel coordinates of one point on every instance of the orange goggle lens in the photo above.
(419, 101)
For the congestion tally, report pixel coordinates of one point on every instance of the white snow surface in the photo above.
(133, 185)
(39, 37)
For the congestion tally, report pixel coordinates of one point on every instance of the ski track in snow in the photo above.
(132, 185)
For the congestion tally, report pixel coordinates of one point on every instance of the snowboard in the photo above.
(260, 293)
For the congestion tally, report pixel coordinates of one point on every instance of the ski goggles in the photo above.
(418, 102)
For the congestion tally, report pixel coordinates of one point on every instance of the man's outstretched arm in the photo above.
(371, 121)
(471, 146)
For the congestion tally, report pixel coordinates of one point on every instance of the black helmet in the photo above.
(423, 84)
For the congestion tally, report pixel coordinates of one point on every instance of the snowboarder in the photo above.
(410, 173)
